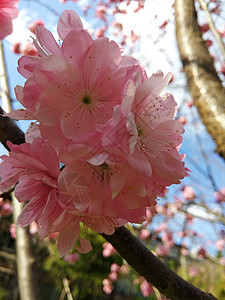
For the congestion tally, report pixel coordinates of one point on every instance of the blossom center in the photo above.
(86, 99)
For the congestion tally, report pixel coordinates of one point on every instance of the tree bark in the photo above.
(203, 81)
(149, 266)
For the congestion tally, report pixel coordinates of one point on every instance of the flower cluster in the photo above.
(104, 143)
(8, 12)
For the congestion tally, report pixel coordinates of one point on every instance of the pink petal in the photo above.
(67, 237)
(47, 41)
(75, 47)
(26, 65)
(68, 21)
(152, 86)
(117, 182)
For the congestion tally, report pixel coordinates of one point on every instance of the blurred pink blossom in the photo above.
(113, 276)
(72, 257)
(222, 261)
(115, 268)
(6, 209)
(220, 195)
(220, 244)
(12, 230)
(33, 228)
(202, 253)
(107, 286)
(162, 250)
(146, 288)
(108, 250)
(16, 48)
(32, 26)
(144, 234)
(189, 193)
(160, 228)
(204, 27)
(192, 271)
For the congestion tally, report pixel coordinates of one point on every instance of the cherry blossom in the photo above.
(220, 195)
(146, 288)
(32, 26)
(104, 144)
(189, 193)
(108, 250)
(89, 87)
(8, 12)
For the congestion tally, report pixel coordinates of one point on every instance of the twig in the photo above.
(212, 26)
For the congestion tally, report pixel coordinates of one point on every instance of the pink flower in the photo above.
(220, 195)
(33, 228)
(189, 193)
(204, 27)
(160, 228)
(146, 288)
(144, 234)
(16, 48)
(101, 12)
(107, 286)
(114, 268)
(182, 119)
(8, 12)
(222, 261)
(162, 250)
(193, 271)
(6, 209)
(100, 32)
(167, 237)
(113, 276)
(222, 69)
(144, 133)
(94, 74)
(220, 244)
(12, 231)
(29, 49)
(108, 250)
(201, 253)
(72, 257)
(163, 25)
(36, 167)
(33, 25)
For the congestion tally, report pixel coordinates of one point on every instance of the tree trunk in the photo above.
(203, 81)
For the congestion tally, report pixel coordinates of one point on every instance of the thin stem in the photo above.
(212, 26)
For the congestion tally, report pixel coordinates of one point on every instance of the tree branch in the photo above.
(212, 26)
(149, 266)
(9, 131)
(203, 81)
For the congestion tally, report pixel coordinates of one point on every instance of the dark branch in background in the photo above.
(141, 259)
(9, 131)
(203, 81)
(154, 271)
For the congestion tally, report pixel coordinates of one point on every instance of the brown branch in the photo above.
(9, 131)
(203, 81)
(148, 265)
